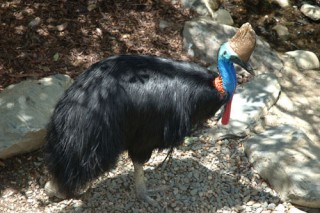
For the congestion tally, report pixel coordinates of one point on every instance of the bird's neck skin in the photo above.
(228, 75)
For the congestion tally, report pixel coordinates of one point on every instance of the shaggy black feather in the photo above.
(134, 103)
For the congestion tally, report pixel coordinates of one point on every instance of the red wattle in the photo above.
(226, 114)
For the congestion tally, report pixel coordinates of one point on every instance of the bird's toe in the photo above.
(158, 189)
(145, 197)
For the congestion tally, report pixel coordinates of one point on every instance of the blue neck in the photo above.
(228, 75)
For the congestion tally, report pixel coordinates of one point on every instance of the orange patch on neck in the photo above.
(217, 83)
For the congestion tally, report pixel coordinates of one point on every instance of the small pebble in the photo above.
(280, 208)
(271, 206)
(250, 203)
(194, 192)
(259, 210)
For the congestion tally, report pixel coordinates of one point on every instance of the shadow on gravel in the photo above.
(189, 191)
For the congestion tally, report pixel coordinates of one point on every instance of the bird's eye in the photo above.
(225, 53)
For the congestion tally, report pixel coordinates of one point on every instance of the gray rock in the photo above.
(203, 37)
(193, 192)
(202, 7)
(282, 3)
(222, 16)
(24, 112)
(298, 103)
(249, 103)
(296, 210)
(289, 161)
(305, 60)
(280, 208)
(311, 11)
(164, 24)
(282, 31)
(271, 206)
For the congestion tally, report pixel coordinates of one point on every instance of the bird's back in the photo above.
(158, 99)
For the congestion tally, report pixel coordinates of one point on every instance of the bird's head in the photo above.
(239, 48)
(227, 55)
(236, 51)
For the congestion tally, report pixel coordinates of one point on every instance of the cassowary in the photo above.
(135, 104)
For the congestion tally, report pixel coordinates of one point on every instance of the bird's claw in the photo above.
(145, 197)
(141, 189)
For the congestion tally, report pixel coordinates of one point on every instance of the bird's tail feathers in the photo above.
(73, 160)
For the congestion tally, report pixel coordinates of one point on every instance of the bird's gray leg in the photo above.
(141, 189)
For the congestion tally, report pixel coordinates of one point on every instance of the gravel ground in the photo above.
(202, 175)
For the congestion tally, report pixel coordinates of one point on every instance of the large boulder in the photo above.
(305, 60)
(298, 103)
(202, 38)
(289, 161)
(25, 109)
(311, 11)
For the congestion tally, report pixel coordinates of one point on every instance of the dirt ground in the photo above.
(39, 38)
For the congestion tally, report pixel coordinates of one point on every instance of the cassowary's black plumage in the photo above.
(138, 104)
(134, 103)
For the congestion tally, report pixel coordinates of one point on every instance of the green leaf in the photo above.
(56, 57)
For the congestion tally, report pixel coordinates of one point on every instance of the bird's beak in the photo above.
(244, 65)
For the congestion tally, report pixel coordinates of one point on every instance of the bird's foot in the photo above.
(145, 197)
(140, 186)
(144, 194)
